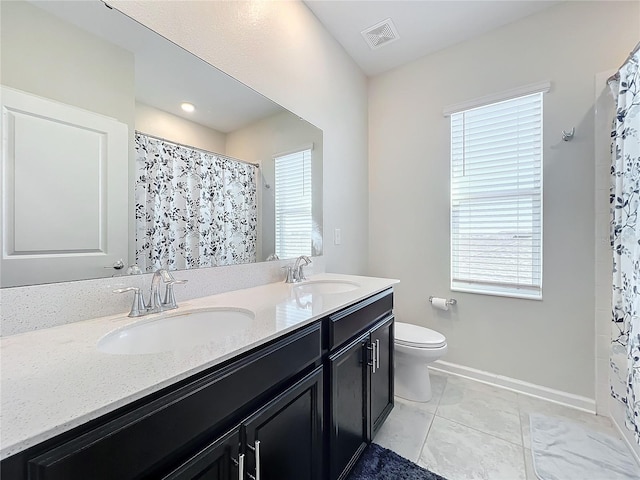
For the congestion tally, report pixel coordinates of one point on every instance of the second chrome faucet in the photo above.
(156, 303)
(295, 273)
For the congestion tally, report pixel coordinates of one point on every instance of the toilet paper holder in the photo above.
(449, 302)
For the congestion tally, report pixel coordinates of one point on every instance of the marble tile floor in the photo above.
(470, 430)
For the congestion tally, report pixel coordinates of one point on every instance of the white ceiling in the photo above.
(167, 75)
(424, 26)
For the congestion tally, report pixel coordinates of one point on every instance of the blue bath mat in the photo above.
(377, 463)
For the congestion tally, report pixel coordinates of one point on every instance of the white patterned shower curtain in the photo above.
(625, 240)
(193, 208)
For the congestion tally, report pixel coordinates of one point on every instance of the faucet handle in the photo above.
(299, 274)
(138, 308)
(169, 296)
(288, 272)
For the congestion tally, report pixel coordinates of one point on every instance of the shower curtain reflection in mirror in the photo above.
(193, 208)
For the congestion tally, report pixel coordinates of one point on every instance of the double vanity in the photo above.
(281, 381)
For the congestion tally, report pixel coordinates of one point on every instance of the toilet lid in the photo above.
(420, 337)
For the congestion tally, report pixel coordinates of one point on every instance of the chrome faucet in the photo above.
(155, 301)
(295, 273)
(156, 304)
(298, 269)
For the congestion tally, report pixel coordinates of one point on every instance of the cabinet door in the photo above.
(284, 438)
(219, 460)
(381, 375)
(348, 397)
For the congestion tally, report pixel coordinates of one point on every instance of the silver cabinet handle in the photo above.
(369, 347)
(374, 355)
(257, 459)
(256, 451)
(240, 464)
(378, 352)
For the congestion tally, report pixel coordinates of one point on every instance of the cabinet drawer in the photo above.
(136, 444)
(347, 323)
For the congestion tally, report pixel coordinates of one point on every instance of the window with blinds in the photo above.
(496, 198)
(293, 204)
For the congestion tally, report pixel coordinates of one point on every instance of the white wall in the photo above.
(281, 50)
(548, 342)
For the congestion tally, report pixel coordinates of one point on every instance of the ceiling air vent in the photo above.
(381, 34)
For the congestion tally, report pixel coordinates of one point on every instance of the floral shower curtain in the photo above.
(625, 239)
(193, 208)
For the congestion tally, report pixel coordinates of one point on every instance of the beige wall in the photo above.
(548, 342)
(281, 50)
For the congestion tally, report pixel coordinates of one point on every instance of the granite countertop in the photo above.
(55, 379)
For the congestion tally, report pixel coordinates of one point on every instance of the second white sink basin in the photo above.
(174, 331)
(326, 287)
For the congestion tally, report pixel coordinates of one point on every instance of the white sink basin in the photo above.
(174, 331)
(326, 287)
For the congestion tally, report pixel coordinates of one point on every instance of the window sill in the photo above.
(497, 293)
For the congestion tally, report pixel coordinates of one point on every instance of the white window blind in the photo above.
(293, 204)
(496, 198)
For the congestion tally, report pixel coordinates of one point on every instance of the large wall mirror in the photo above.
(106, 171)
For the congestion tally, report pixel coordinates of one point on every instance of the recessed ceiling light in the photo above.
(187, 107)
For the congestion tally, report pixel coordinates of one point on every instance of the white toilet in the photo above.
(415, 347)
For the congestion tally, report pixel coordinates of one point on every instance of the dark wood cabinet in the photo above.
(348, 411)
(282, 440)
(381, 399)
(219, 460)
(360, 381)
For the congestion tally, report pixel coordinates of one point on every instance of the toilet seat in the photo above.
(418, 337)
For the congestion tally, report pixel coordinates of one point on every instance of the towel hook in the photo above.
(566, 136)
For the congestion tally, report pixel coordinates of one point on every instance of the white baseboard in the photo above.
(556, 396)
